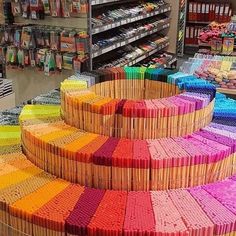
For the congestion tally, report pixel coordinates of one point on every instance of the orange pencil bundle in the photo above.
(50, 218)
(15, 192)
(21, 211)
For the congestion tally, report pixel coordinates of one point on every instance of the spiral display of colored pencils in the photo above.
(69, 181)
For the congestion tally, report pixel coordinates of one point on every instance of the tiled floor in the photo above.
(28, 83)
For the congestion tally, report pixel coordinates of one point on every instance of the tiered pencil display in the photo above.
(57, 178)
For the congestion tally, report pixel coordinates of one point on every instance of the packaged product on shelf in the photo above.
(25, 4)
(16, 8)
(36, 9)
(65, 7)
(220, 37)
(68, 43)
(37, 45)
(46, 7)
(228, 45)
(55, 8)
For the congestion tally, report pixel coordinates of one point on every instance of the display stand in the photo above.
(193, 27)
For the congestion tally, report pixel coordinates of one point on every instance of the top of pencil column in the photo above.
(141, 105)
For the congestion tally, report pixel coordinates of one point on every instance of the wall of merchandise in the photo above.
(57, 38)
(200, 14)
(54, 35)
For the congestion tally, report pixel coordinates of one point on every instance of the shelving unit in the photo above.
(145, 55)
(168, 14)
(122, 43)
(31, 79)
(105, 29)
(178, 22)
(84, 22)
(191, 48)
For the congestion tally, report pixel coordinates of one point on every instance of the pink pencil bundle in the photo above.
(139, 215)
(218, 214)
(190, 210)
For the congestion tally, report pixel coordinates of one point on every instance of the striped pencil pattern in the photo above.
(58, 179)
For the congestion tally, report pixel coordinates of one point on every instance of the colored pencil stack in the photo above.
(70, 181)
(36, 203)
(105, 162)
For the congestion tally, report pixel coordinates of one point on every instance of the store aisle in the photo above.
(28, 84)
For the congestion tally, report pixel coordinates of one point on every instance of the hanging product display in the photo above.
(38, 9)
(48, 48)
(219, 70)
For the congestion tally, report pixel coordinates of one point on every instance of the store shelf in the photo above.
(100, 29)
(227, 91)
(99, 2)
(144, 56)
(7, 102)
(130, 40)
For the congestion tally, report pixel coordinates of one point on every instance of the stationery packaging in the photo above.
(218, 70)
(38, 9)
(209, 11)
